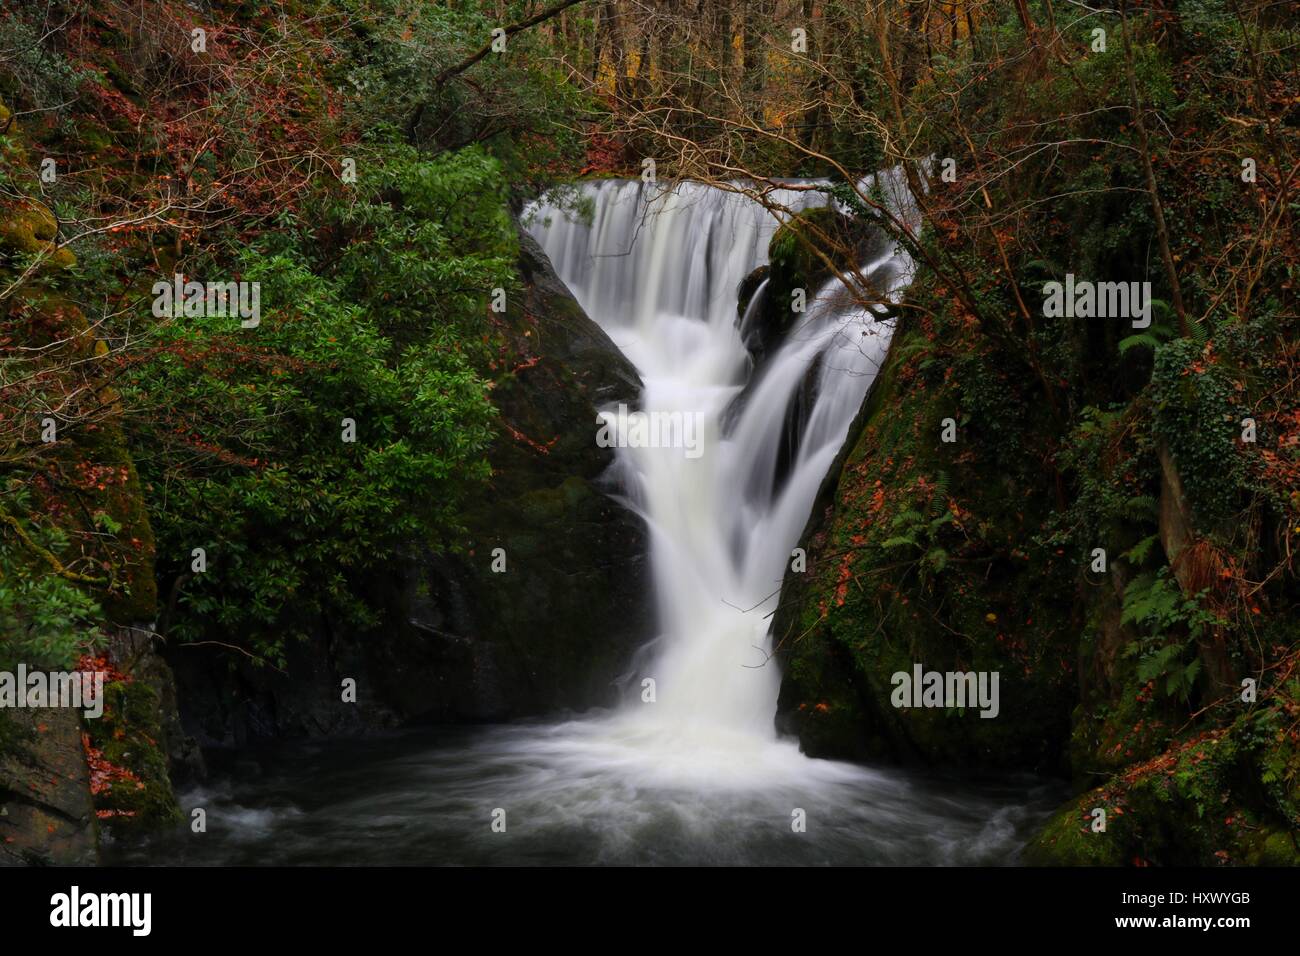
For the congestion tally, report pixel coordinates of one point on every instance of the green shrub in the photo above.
(248, 460)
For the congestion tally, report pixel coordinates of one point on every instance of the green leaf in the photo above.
(1138, 553)
(1143, 339)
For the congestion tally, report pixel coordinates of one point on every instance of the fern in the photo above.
(1167, 662)
(1137, 554)
(1141, 506)
(1157, 663)
(1132, 341)
(1151, 600)
(939, 496)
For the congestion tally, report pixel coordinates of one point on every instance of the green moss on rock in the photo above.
(916, 558)
(94, 455)
(1227, 796)
(127, 736)
(28, 228)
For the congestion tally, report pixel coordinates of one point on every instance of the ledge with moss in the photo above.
(1218, 797)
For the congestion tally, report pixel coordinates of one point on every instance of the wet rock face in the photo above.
(46, 814)
(546, 606)
(552, 627)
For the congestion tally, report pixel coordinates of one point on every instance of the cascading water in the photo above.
(700, 775)
(658, 269)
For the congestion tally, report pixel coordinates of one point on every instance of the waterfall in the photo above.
(699, 775)
(658, 268)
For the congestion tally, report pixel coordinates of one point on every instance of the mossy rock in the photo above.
(121, 498)
(135, 598)
(1067, 839)
(127, 735)
(798, 256)
(793, 252)
(11, 145)
(28, 228)
(92, 459)
(1275, 848)
(792, 265)
(1223, 797)
(27, 225)
(95, 466)
(914, 557)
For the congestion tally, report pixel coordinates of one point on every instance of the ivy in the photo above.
(1197, 416)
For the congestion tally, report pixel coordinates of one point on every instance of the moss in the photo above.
(93, 139)
(11, 145)
(1226, 796)
(121, 498)
(29, 228)
(92, 461)
(829, 715)
(99, 448)
(793, 261)
(1275, 848)
(919, 560)
(1067, 839)
(127, 736)
(544, 506)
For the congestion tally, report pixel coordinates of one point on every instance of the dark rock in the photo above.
(46, 814)
(753, 317)
(561, 622)
(748, 286)
(133, 651)
(463, 643)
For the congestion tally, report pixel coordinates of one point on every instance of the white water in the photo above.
(658, 269)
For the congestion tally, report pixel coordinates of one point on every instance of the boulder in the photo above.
(554, 630)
